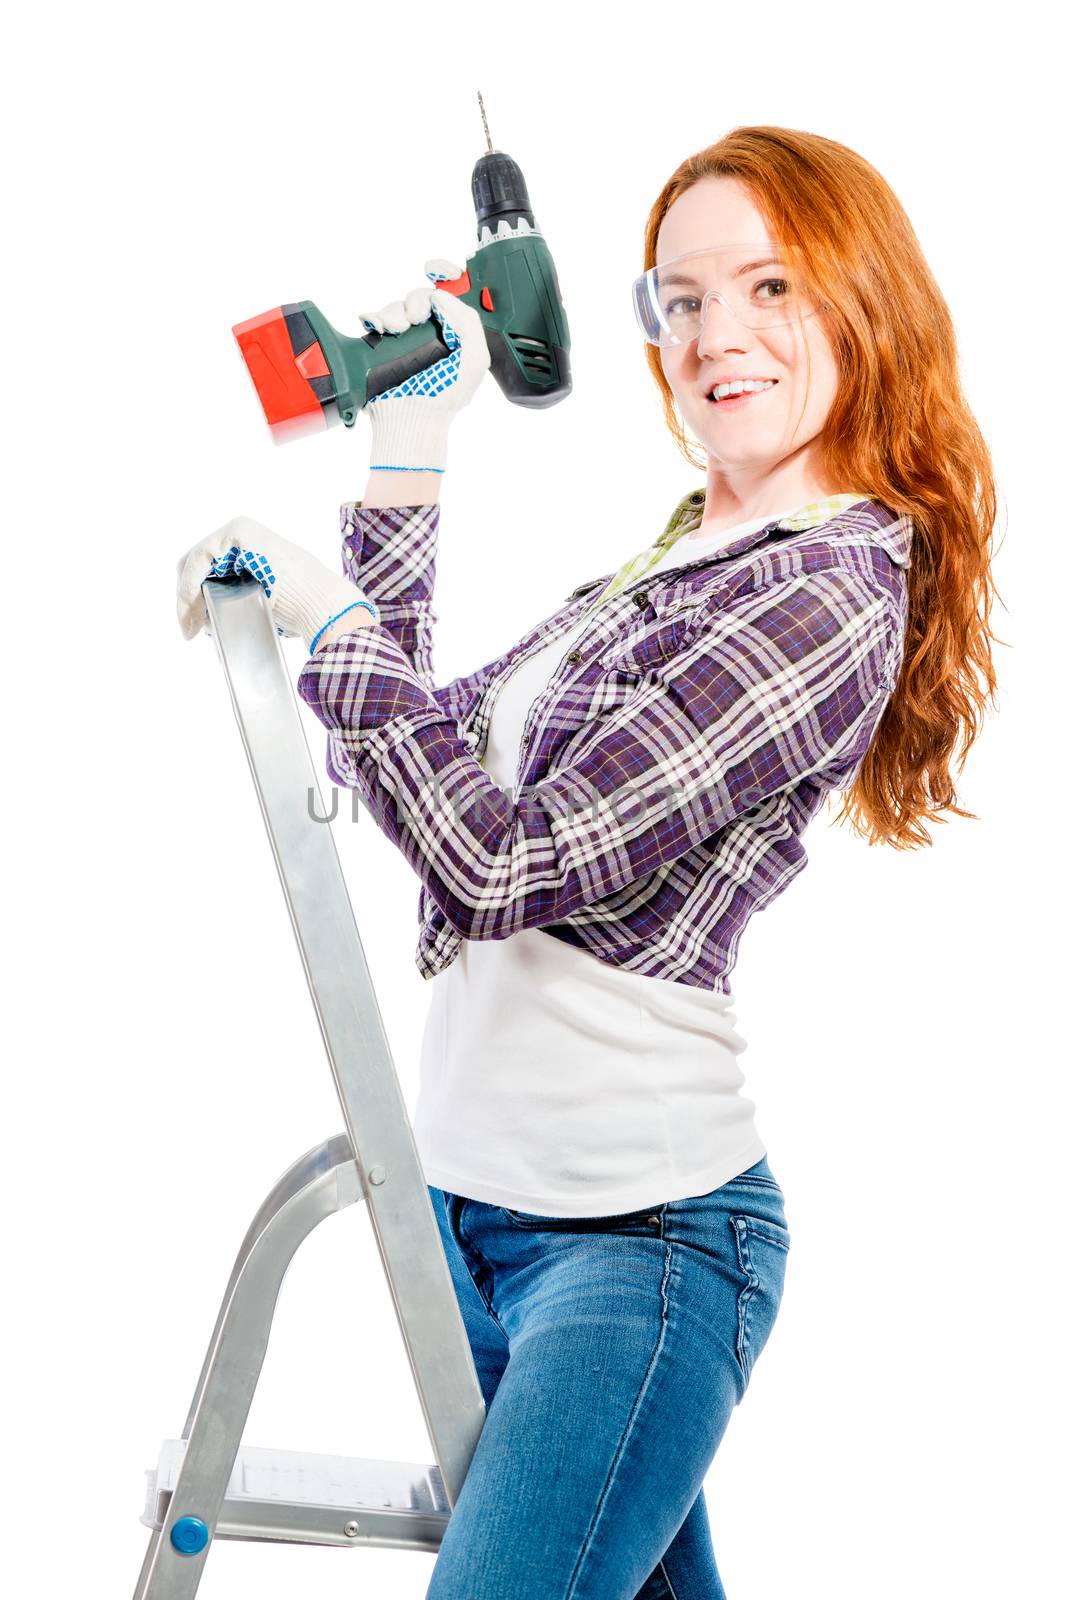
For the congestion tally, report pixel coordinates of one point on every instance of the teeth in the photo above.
(749, 386)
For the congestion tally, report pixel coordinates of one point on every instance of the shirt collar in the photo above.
(893, 533)
(856, 512)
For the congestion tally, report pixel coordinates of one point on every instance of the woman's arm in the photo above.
(385, 489)
(402, 488)
(390, 555)
(390, 551)
(781, 684)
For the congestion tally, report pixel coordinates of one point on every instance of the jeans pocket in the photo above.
(762, 1247)
(469, 1260)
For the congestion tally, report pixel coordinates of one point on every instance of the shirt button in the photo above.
(574, 655)
(641, 598)
(696, 498)
(525, 739)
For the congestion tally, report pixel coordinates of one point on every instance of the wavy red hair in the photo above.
(899, 431)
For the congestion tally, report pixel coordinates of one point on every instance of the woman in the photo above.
(814, 618)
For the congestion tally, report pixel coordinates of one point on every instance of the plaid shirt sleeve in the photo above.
(391, 552)
(780, 684)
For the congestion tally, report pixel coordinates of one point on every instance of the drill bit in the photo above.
(485, 124)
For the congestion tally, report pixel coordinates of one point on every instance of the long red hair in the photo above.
(899, 431)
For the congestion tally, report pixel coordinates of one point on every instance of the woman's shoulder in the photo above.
(857, 555)
(864, 537)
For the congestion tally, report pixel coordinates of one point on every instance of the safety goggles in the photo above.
(671, 300)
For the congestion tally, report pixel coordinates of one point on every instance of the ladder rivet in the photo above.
(189, 1535)
(377, 1175)
(351, 1530)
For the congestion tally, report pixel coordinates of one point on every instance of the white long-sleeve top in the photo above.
(554, 1083)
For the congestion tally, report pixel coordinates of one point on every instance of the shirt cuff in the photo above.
(363, 682)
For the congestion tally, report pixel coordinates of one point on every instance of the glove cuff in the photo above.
(408, 434)
(314, 604)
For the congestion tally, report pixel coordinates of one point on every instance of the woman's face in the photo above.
(778, 424)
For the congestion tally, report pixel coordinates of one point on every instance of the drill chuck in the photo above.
(499, 192)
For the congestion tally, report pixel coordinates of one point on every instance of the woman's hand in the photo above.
(304, 594)
(410, 423)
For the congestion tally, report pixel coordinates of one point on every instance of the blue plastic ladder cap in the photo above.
(189, 1535)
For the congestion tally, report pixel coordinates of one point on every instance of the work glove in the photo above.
(410, 423)
(304, 594)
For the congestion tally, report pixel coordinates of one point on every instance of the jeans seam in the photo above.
(489, 1309)
(740, 1226)
(628, 1428)
(664, 1574)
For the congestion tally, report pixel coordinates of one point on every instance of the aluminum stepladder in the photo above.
(205, 1486)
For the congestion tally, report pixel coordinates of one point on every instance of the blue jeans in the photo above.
(611, 1352)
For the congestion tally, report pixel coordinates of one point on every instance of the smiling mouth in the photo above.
(732, 399)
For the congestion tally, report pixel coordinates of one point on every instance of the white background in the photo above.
(174, 170)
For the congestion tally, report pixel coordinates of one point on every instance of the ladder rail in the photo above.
(353, 1031)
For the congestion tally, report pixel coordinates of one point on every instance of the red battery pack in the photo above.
(295, 386)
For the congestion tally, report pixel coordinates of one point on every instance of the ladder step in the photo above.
(314, 1499)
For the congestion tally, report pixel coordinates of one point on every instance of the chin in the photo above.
(735, 452)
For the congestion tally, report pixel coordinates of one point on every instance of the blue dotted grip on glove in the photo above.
(237, 561)
(432, 380)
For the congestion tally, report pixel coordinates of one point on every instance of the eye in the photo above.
(780, 283)
(687, 301)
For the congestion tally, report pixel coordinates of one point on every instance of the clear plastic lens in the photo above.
(754, 282)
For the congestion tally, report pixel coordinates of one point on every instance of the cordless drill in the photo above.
(308, 376)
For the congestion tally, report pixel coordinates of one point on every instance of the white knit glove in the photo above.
(410, 423)
(303, 592)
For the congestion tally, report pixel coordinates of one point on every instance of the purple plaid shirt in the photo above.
(669, 767)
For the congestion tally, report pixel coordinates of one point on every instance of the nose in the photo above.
(720, 328)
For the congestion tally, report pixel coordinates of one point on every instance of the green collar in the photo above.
(690, 509)
(687, 516)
